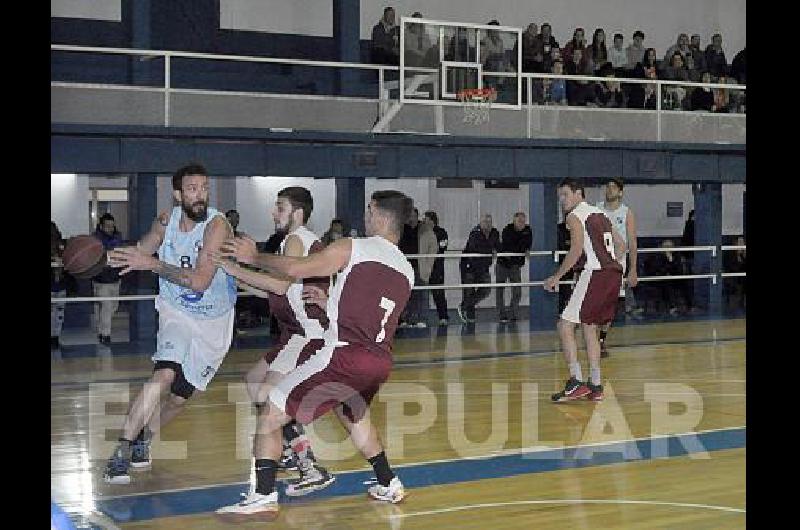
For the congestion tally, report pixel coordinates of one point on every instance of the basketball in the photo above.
(83, 254)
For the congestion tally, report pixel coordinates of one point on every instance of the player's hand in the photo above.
(242, 249)
(130, 259)
(315, 295)
(550, 284)
(633, 279)
(223, 263)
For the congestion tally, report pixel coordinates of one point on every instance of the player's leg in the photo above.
(117, 469)
(515, 274)
(595, 383)
(500, 276)
(575, 388)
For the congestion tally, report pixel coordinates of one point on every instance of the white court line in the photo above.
(101, 520)
(569, 501)
(505, 452)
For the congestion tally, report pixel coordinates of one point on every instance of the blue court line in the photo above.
(420, 362)
(203, 500)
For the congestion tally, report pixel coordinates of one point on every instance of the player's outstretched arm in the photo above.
(329, 261)
(260, 280)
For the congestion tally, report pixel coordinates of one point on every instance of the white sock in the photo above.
(575, 370)
(595, 374)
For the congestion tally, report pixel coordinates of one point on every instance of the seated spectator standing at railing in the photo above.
(334, 232)
(483, 239)
(58, 287)
(715, 57)
(643, 96)
(385, 46)
(579, 93)
(618, 56)
(531, 50)
(518, 238)
(493, 53)
(578, 42)
(609, 94)
(735, 261)
(667, 291)
(596, 52)
(418, 45)
(650, 59)
(428, 244)
(409, 244)
(681, 46)
(548, 43)
(674, 95)
(555, 90)
(722, 103)
(702, 98)
(106, 283)
(738, 70)
(636, 50)
(437, 273)
(697, 65)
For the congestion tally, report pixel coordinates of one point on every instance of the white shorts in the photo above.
(198, 345)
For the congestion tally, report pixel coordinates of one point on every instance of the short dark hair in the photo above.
(493, 22)
(190, 169)
(397, 204)
(430, 214)
(337, 221)
(230, 212)
(387, 8)
(618, 182)
(573, 184)
(618, 36)
(638, 33)
(299, 197)
(106, 217)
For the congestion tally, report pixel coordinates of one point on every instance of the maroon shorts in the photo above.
(286, 356)
(350, 375)
(594, 297)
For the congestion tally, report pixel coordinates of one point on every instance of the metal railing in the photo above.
(381, 98)
(452, 255)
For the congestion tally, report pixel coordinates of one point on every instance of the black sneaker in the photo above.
(596, 392)
(117, 468)
(504, 319)
(462, 314)
(573, 390)
(314, 478)
(140, 454)
(288, 460)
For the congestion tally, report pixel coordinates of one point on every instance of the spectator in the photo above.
(617, 55)
(334, 232)
(517, 237)
(579, 93)
(715, 57)
(698, 59)
(722, 103)
(687, 240)
(666, 264)
(551, 58)
(273, 244)
(437, 273)
(483, 239)
(58, 288)
(532, 57)
(556, 89)
(233, 218)
(493, 52)
(735, 261)
(548, 43)
(418, 44)
(106, 283)
(681, 46)
(409, 244)
(643, 96)
(738, 70)
(385, 46)
(702, 98)
(676, 71)
(609, 94)
(428, 244)
(578, 42)
(650, 59)
(596, 52)
(635, 50)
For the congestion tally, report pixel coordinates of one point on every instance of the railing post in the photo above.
(530, 99)
(658, 111)
(166, 89)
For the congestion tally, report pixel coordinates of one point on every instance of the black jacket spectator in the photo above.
(715, 59)
(702, 100)
(738, 67)
(515, 241)
(409, 244)
(385, 44)
(437, 275)
(108, 274)
(480, 244)
(273, 244)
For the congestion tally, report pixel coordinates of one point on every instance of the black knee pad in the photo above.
(180, 386)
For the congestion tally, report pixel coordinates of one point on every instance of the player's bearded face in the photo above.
(282, 215)
(195, 208)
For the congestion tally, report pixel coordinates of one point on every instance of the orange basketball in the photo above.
(83, 253)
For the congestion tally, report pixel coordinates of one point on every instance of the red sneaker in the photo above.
(596, 392)
(573, 390)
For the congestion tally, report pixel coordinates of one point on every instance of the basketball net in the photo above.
(477, 103)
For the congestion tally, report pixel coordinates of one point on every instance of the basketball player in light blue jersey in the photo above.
(195, 307)
(622, 219)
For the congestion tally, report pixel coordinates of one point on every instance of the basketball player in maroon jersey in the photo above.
(373, 285)
(596, 251)
(301, 325)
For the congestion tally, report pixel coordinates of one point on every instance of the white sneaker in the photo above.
(393, 493)
(253, 504)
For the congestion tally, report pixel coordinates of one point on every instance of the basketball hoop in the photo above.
(477, 104)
